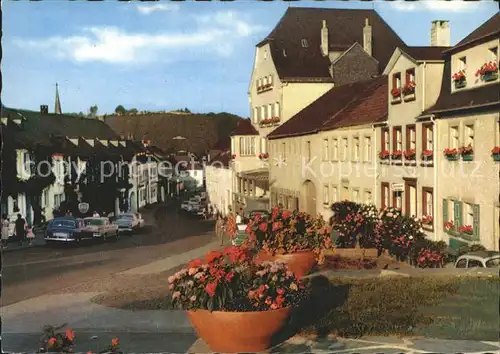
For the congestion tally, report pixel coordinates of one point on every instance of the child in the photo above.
(30, 235)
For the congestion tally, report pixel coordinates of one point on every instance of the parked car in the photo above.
(66, 229)
(479, 259)
(263, 213)
(129, 222)
(185, 205)
(101, 228)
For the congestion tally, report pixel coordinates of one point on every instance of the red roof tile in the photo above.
(345, 27)
(326, 108)
(245, 127)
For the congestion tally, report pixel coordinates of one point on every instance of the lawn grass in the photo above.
(439, 307)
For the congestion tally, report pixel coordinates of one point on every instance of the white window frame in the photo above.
(454, 136)
(468, 214)
(355, 195)
(335, 149)
(368, 197)
(469, 134)
(368, 148)
(355, 148)
(345, 148)
(334, 193)
(326, 148)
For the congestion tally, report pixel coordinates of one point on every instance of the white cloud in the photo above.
(433, 5)
(219, 33)
(149, 9)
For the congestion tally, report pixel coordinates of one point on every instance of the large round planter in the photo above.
(300, 263)
(238, 332)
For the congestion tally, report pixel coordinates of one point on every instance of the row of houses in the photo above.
(343, 109)
(52, 162)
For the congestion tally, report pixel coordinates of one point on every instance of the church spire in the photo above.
(57, 106)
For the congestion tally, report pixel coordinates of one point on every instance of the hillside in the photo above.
(202, 131)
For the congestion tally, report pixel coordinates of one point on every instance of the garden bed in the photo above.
(336, 262)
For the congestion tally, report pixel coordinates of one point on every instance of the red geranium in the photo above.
(396, 92)
(383, 155)
(450, 152)
(210, 288)
(459, 76)
(466, 150)
(490, 67)
(495, 150)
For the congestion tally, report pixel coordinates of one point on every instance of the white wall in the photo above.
(220, 187)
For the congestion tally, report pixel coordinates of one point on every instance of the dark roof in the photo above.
(224, 143)
(312, 118)
(244, 127)
(345, 27)
(483, 95)
(426, 53)
(223, 159)
(488, 29)
(370, 106)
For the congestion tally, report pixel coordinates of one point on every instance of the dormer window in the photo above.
(396, 88)
(303, 42)
(459, 77)
(462, 63)
(409, 87)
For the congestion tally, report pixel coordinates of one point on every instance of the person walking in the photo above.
(20, 228)
(5, 230)
(30, 235)
(219, 229)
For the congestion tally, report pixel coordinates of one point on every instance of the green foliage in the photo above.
(120, 109)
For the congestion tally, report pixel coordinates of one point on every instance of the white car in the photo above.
(185, 205)
(101, 228)
(129, 222)
(479, 259)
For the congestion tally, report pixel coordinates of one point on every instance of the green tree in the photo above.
(93, 111)
(120, 109)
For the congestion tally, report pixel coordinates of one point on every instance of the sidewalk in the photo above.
(170, 331)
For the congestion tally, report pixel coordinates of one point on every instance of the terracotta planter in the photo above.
(300, 262)
(238, 332)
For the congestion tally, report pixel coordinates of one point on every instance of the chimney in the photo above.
(324, 39)
(440, 33)
(44, 109)
(367, 37)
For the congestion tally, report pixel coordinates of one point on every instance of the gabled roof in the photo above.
(466, 99)
(223, 159)
(345, 27)
(488, 30)
(322, 113)
(224, 143)
(244, 127)
(426, 53)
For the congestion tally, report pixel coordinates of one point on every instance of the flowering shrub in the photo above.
(427, 154)
(384, 155)
(466, 229)
(459, 76)
(450, 152)
(487, 68)
(53, 341)
(233, 156)
(427, 219)
(495, 150)
(396, 92)
(396, 154)
(354, 223)
(466, 150)
(231, 227)
(409, 88)
(270, 120)
(337, 262)
(449, 225)
(410, 154)
(232, 281)
(428, 258)
(263, 156)
(287, 232)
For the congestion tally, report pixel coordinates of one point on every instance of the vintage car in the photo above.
(479, 259)
(129, 222)
(66, 229)
(101, 228)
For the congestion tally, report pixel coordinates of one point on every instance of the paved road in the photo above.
(35, 271)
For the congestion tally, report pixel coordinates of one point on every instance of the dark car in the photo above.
(66, 229)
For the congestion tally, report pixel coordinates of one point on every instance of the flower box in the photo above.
(384, 155)
(459, 79)
(460, 84)
(396, 155)
(449, 226)
(496, 157)
(495, 153)
(451, 154)
(264, 156)
(427, 155)
(469, 157)
(427, 219)
(491, 76)
(488, 71)
(466, 229)
(410, 155)
(467, 153)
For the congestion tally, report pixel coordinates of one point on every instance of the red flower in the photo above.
(459, 76)
(280, 300)
(450, 152)
(286, 214)
(280, 291)
(70, 335)
(210, 288)
(263, 227)
(490, 67)
(277, 225)
(229, 276)
(213, 256)
(114, 342)
(495, 150)
(195, 263)
(395, 92)
(51, 341)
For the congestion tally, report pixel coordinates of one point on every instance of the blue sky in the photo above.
(167, 55)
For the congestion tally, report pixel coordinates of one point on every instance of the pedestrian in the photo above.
(5, 230)
(30, 235)
(238, 218)
(219, 229)
(20, 228)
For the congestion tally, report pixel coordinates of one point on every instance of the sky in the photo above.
(167, 55)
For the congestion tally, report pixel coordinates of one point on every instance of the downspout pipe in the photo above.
(435, 172)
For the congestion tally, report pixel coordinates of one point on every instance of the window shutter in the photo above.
(445, 210)
(458, 213)
(475, 227)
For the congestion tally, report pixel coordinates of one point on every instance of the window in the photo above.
(368, 148)
(411, 199)
(270, 112)
(368, 197)
(326, 194)
(345, 145)
(263, 145)
(396, 81)
(303, 42)
(265, 81)
(385, 140)
(335, 149)
(355, 148)
(256, 115)
(411, 140)
(325, 149)
(427, 207)
(277, 109)
(345, 193)
(308, 150)
(397, 141)
(46, 201)
(494, 54)
(468, 214)
(469, 135)
(397, 199)
(384, 193)
(410, 76)
(493, 263)
(454, 137)
(427, 136)
(462, 63)
(270, 79)
(462, 263)
(473, 263)
(355, 195)
(335, 192)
